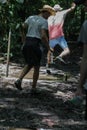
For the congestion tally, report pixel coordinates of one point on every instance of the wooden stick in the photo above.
(8, 52)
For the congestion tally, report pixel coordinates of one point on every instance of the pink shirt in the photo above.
(55, 24)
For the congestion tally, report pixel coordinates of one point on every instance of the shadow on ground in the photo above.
(47, 108)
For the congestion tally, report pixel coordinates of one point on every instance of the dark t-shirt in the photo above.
(78, 2)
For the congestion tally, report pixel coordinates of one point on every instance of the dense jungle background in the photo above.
(13, 12)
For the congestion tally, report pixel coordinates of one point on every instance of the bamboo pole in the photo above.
(8, 52)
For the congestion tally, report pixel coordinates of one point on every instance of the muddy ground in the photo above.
(47, 109)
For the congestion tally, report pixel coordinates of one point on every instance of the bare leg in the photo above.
(35, 76)
(25, 70)
(49, 56)
(65, 52)
(23, 73)
(83, 71)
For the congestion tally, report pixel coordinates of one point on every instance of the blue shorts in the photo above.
(58, 41)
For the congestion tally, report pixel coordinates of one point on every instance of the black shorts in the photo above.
(32, 52)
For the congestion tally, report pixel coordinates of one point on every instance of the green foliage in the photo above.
(13, 13)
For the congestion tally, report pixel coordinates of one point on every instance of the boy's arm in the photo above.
(24, 26)
(73, 5)
(45, 40)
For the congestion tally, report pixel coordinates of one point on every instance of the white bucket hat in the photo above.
(57, 7)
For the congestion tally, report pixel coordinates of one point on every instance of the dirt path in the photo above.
(49, 108)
